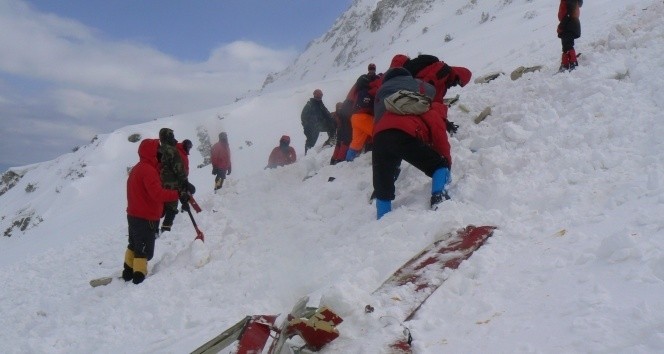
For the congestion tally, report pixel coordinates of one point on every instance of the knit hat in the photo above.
(166, 136)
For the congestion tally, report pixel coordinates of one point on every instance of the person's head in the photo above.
(167, 137)
(223, 137)
(458, 76)
(371, 68)
(339, 106)
(284, 141)
(318, 94)
(187, 145)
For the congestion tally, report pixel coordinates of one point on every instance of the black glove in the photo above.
(228, 172)
(214, 170)
(190, 188)
(184, 199)
(451, 127)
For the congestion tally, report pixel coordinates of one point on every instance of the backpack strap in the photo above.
(444, 71)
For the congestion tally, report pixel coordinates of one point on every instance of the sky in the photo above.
(571, 178)
(70, 70)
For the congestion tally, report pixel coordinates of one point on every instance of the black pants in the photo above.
(219, 177)
(142, 236)
(569, 30)
(567, 43)
(392, 146)
(312, 133)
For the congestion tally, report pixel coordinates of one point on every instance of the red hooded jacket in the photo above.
(221, 156)
(442, 76)
(145, 195)
(430, 127)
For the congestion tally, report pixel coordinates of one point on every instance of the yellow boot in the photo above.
(140, 270)
(128, 271)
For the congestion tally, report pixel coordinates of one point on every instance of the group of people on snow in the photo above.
(399, 115)
(154, 186)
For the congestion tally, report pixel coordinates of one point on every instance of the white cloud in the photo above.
(80, 105)
(92, 85)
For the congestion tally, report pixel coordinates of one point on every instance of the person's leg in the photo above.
(384, 165)
(170, 209)
(430, 162)
(312, 138)
(143, 240)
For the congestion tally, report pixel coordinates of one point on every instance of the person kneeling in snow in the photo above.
(145, 204)
(282, 155)
(420, 139)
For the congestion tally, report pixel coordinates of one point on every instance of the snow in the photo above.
(568, 166)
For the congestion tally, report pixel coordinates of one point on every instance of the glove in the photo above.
(214, 170)
(351, 154)
(451, 127)
(190, 188)
(184, 199)
(228, 172)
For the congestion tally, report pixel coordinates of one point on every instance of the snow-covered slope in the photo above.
(568, 167)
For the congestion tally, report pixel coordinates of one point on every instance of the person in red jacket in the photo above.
(344, 133)
(362, 93)
(183, 149)
(430, 69)
(221, 161)
(145, 203)
(568, 30)
(282, 155)
(421, 140)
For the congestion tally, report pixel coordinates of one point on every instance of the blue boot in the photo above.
(439, 180)
(382, 207)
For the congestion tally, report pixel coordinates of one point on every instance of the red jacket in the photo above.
(429, 127)
(221, 156)
(184, 156)
(145, 195)
(279, 157)
(569, 7)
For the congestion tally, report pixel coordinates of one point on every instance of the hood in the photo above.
(398, 61)
(147, 151)
(462, 74)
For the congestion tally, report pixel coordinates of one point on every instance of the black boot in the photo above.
(437, 198)
(138, 277)
(127, 273)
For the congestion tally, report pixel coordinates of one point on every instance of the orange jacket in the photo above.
(362, 129)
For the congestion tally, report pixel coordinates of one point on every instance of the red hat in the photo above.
(462, 74)
(372, 67)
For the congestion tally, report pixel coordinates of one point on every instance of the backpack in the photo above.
(404, 102)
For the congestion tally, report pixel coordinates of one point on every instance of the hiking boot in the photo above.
(573, 62)
(437, 198)
(138, 277)
(564, 61)
(127, 273)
